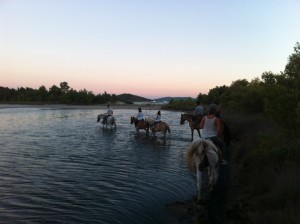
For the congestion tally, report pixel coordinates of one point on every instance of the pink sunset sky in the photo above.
(147, 48)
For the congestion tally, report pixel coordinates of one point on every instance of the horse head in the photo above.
(132, 120)
(182, 119)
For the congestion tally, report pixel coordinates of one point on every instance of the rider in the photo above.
(158, 118)
(211, 129)
(199, 110)
(107, 114)
(139, 117)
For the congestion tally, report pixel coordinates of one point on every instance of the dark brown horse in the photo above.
(143, 124)
(193, 123)
(196, 125)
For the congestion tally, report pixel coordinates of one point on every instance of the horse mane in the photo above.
(197, 147)
(189, 115)
(192, 150)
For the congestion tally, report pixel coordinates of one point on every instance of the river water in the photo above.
(60, 166)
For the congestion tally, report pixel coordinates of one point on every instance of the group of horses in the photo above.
(202, 155)
(145, 124)
(149, 123)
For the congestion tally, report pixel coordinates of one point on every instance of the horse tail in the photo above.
(190, 154)
(98, 118)
(168, 128)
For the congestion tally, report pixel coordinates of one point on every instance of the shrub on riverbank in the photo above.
(265, 172)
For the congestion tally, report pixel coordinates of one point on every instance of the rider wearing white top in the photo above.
(109, 113)
(139, 117)
(211, 129)
(158, 118)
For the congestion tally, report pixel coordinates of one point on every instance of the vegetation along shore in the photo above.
(261, 183)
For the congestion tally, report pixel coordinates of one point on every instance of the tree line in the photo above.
(63, 94)
(274, 95)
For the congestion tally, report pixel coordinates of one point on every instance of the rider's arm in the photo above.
(202, 123)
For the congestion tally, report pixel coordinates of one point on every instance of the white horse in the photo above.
(111, 121)
(201, 154)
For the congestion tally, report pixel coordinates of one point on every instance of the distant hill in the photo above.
(129, 98)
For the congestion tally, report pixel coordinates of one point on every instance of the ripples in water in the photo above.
(60, 166)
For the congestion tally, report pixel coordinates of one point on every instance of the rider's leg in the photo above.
(219, 142)
(105, 119)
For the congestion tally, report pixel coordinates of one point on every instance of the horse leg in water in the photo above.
(199, 181)
(212, 177)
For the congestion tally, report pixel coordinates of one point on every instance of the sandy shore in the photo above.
(64, 106)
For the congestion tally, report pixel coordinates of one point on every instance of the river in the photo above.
(61, 166)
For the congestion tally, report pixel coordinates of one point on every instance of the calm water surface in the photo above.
(60, 166)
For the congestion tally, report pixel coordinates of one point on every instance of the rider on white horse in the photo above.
(108, 113)
(211, 129)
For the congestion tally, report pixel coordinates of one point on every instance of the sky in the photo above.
(149, 48)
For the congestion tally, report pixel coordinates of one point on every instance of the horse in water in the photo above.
(161, 127)
(193, 123)
(196, 125)
(200, 155)
(143, 124)
(111, 121)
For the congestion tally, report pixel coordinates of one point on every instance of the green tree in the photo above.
(54, 94)
(64, 87)
(292, 69)
(43, 94)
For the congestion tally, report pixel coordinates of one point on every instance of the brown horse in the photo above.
(143, 124)
(193, 123)
(161, 127)
(196, 125)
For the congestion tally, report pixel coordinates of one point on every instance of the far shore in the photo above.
(66, 106)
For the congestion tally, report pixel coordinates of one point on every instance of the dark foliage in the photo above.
(62, 95)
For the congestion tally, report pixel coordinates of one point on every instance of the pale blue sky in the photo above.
(148, 48)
